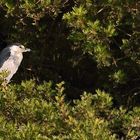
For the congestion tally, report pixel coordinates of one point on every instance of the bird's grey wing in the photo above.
(4, 55)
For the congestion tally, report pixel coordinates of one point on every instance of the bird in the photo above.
(11, 58)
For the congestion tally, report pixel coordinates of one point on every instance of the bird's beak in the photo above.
(27, 50)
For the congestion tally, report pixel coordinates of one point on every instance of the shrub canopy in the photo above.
(90, 45)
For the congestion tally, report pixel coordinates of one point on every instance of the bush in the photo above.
(108, 32)
(90, 45)
(31, 111)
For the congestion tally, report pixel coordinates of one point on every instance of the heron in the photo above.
(11, 58)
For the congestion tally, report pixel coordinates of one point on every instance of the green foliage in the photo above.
(108, 32)
(73, 36)
(119, 77)
(102, 55)
(31, 111)
(26, 15)
(90, 44)
(3, 75)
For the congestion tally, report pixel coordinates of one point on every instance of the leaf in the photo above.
(9, 4)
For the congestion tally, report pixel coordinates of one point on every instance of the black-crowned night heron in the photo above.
(10, 59)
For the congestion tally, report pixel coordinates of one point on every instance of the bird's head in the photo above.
(18, 48)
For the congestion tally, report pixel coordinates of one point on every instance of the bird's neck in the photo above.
(17, 57)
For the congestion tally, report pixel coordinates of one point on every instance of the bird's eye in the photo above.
(21, 46)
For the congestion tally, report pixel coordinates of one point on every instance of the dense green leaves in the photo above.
(88, 44)
(41, 112)
(108, 32)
